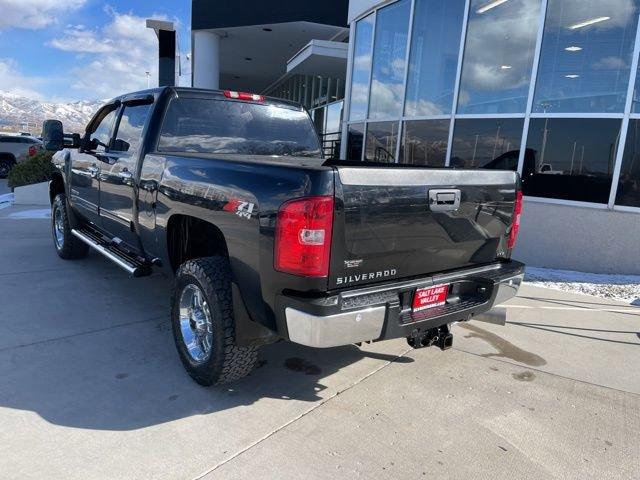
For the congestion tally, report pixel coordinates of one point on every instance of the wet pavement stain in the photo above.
(122, 376)
(173, 398)
(505, 348)
(301, 365)
(524, 376)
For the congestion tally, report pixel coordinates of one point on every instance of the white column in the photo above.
(206, 59)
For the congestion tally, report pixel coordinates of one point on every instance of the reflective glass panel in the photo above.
(382, 138)
(487, 143)
(572, 159)
(389, 56)
(424, 142)
(215, 126)
(355, 141)
(334, 117)
(586, 56)
(629, 185)
(361, 68)
(498, 57)
(433, 61)
(130, 128)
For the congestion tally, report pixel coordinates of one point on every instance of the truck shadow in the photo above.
(130, 377)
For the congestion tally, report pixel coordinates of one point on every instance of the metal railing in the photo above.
(330, 143)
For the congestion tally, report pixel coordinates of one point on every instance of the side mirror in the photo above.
(52, 135)
(120, 146)
(72, 140)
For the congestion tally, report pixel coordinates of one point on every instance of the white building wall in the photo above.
(206, 60)
(578, 238)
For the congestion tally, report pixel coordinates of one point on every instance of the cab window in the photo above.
(129, 135)
(99, 139)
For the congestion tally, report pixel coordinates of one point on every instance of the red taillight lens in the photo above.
(515, 227)
(32, 151)
(303, 237)
(251, 97)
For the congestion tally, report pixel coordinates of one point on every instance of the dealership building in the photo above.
(545, 87)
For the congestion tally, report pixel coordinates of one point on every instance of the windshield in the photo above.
(232, 127)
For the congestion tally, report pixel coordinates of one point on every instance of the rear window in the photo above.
(233, 127)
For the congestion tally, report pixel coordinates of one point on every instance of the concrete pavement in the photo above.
(91, 387)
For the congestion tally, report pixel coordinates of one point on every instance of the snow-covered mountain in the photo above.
(19, 113)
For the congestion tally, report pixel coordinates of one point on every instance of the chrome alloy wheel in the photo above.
(58, 228)
(196, 325)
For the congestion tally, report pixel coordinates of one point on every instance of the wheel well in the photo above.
(190, 237)
(56, 187)
(8, 156)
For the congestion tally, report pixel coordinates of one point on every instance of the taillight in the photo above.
(33, 151)
(303, 237)
(515, 227)
(251, 97)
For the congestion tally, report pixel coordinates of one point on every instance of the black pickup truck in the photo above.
(228, 193)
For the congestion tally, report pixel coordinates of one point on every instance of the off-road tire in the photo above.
(72, 248)
(227, 362)
(5, 167)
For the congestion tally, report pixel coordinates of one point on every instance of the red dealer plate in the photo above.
(430, 297)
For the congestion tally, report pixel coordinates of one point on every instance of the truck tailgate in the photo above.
(394, 223)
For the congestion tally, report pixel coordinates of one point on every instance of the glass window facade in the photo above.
(389, 56)
(361, 68)
(381, 142)
(504, 84)
(424, 142)
(586, 56)
(487, 143)
(573, 159)
(629, 184)
(433, 62)
(355, 141)
(498, 57)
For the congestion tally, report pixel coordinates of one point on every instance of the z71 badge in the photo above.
(240, 208)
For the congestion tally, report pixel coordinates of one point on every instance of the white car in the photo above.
(15, 149)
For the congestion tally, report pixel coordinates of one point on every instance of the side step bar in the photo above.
(132, 265)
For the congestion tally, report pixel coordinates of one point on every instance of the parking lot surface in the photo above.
(91, 387)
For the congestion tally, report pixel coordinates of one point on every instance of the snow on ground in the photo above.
(6, 200)
(616, 287)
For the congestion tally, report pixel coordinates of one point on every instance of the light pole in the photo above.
(148, 74)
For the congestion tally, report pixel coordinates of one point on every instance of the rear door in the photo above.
(119, 174)
(87, 162)
(394, 223)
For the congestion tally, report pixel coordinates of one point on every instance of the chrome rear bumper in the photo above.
(372, 323)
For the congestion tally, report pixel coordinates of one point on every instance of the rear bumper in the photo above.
(384, 312)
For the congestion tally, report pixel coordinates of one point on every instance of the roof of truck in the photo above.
(203, 93)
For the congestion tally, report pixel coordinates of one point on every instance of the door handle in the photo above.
(444, 200)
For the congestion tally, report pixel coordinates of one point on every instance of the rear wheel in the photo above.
(67, 246)
(203, 323)
(5, 167)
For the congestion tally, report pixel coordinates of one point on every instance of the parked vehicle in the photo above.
(266, 240)
(15, 149)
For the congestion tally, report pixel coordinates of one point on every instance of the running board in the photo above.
(127, 262)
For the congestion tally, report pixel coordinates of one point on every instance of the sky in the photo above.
(68, 50)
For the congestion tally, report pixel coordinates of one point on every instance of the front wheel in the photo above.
(203, 323)
(67, 246)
